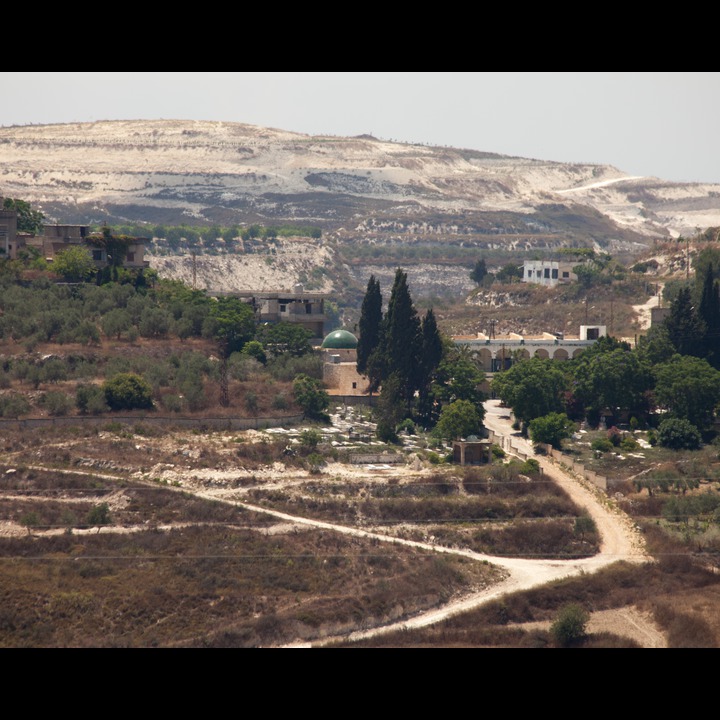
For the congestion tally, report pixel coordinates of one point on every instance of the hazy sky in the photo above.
(662, 124)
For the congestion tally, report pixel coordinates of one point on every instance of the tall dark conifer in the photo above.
(402, 338)
(710, 315)
(430, 358)
(370, 325)
(479, 272)
(685, 327)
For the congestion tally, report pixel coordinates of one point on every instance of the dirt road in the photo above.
(620, 541)
(620, 538)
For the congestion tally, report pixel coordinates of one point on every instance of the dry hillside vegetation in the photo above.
(133, 536)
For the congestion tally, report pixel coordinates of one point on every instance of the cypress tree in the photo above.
(710, 315)
(402, 338)
(430, 357)
(685, 327)
(479, 272)
(370, 324)
(432, 345)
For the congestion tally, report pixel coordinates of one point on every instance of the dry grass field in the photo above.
(129, 536)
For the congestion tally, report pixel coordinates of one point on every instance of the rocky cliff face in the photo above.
(379, 204)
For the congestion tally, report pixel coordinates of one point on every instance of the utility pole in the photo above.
(194, 266)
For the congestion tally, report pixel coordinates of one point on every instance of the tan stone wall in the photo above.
(343, 379)
(197, 423)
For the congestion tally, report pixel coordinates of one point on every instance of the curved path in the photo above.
(620, 540)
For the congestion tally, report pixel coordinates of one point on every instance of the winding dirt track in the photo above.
(620, 541)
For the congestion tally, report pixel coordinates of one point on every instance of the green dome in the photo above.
(340, 340)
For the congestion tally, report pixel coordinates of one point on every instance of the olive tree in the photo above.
(311, 397)
(570, 626)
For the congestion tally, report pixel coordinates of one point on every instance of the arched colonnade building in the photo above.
(340, 355)
(501, 353)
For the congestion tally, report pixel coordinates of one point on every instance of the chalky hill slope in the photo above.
(357, 189)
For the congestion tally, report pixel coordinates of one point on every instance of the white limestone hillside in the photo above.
(183, 171)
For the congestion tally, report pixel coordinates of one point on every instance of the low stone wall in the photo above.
(191, 423)
(377, 459)
(509, 447)
(352, 400)
(578, 468)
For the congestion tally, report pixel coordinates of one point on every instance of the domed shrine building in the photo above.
(340, 366)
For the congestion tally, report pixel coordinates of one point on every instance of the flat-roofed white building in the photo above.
(548, 273)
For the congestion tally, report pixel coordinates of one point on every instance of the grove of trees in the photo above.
(670, 380)
(35, 311)
(422, 376)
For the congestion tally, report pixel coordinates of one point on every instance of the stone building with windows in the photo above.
(298, 307)
(8, 233)
(57, 238)
(498, 354)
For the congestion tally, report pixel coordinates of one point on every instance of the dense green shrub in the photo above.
(311, 397)
(629, 444)
(310, 438)
(679, 434)
(280, 402)
(498, 453)
(386, 432)
(530, 467)
(255, 350)
(286, 368)
(172, 403)
(251, 402)
(551, 429)
(99, 515)
(602, 445)
(407, 426)
(243, 368)
(193, 392)
(128, 391)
